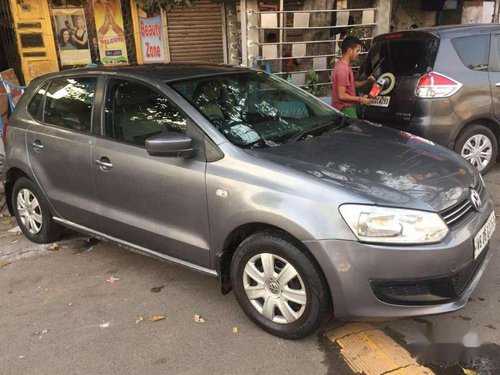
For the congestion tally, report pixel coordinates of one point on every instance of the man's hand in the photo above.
(371, 78)
(365, 101)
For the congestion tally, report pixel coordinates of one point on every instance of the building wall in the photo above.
(408, 12)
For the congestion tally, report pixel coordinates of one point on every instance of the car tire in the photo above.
(271, 306)
(32, 213)
(474, 139)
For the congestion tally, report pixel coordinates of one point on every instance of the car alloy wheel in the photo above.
(274, 288)
(478, 150)
(29, 211)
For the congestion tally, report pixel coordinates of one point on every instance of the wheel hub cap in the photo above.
(29, 211)
(274, 288)
(478, 151)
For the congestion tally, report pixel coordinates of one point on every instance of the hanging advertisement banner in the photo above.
(109, 25)
(153, 50)
(72, 37)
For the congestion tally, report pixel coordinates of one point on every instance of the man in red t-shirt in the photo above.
(343, 85)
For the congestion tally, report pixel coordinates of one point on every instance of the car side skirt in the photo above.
(135, 248)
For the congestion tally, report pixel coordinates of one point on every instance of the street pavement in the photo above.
(60, 314)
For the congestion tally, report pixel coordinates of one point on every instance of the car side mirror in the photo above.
(170, 144)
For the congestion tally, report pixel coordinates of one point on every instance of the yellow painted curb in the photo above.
(370, 351)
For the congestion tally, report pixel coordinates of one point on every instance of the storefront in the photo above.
(54, 35)
(184, 34)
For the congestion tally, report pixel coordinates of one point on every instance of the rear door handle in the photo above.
(37, 145)
(497, 84)
(104, 164)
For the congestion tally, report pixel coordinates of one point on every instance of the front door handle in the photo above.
(497, 84)
(104, 163)
(37, 145)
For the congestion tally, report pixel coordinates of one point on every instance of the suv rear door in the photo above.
(494, 71)
(59, 143)
(406, 55)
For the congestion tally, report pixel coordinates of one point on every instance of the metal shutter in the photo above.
(195, 34)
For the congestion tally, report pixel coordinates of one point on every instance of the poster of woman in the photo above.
(109, 25)
(72, 37)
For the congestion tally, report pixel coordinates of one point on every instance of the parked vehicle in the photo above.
(240, 175)
(444, 85)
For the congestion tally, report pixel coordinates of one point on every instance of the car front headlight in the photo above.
(393, 225)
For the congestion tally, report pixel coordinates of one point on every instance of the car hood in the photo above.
(387, 166)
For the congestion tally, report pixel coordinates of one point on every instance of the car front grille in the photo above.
(405, 290)
(455, 214)
(429, 291)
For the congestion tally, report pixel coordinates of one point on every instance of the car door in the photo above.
(494, 69)
(59, 148)
(158, 203)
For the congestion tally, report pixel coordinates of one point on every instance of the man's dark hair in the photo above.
(350, 42)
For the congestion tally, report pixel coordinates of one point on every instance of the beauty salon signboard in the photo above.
(151, 32)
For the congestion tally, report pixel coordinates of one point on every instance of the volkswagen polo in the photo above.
(301, 211)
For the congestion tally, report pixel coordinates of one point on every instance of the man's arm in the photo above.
(362, 83)
(345, 97)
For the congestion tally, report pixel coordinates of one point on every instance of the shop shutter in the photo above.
(195, 34)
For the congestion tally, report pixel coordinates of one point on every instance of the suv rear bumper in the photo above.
(433, 119)
(355, 272)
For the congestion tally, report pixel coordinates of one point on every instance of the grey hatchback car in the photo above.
(240, 175)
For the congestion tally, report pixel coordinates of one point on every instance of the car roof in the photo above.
(448, 31)
(157, 72)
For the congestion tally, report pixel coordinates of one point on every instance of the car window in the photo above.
(256, 110)
(69, 103)
(495, 53)
(135, 112)
(35, 108)
(473, 51)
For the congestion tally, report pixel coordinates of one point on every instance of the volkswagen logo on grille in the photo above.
(475, 199)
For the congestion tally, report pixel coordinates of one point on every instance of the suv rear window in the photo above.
(402, 56)
(473, 51)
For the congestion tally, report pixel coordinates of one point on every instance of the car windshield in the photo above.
(255, 110)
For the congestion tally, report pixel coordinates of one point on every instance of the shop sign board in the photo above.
(151, 32)
(72, 37)
(111, 36)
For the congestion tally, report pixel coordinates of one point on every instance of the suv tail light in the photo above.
(435, 85)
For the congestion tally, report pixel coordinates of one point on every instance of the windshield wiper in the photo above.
(312, 130)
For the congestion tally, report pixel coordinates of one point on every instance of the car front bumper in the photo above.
(353, 269)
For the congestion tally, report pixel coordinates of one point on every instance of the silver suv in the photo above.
(239, 175)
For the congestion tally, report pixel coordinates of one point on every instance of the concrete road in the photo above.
(60, 315)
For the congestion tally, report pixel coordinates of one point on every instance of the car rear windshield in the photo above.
(401, 54)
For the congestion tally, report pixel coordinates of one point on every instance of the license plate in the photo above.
(381, 101)
(483, 236)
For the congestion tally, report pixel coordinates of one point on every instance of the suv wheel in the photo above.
(478, 145)
(32, 213)
(278, 286)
